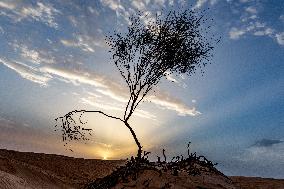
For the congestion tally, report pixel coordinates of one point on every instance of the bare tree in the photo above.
(174, 43)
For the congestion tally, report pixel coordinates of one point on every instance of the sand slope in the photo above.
(34, 171)
(153, 180)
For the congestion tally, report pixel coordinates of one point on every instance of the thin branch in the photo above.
(90, 111)
(74, 130)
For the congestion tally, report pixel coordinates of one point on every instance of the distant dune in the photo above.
(37, 170)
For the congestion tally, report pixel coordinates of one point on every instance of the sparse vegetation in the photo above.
(192, 165)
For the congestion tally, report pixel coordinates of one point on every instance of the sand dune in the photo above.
(35, 170)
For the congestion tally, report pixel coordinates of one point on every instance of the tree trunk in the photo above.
(139, 153)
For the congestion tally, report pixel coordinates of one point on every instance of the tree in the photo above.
(143, 55)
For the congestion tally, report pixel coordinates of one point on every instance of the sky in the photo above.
(54, 59)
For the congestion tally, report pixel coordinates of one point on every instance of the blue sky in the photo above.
(54, 59)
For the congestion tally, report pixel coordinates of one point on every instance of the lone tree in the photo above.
(172, 44)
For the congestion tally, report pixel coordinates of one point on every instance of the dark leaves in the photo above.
(173, 43)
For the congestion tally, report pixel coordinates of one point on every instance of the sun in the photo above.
(105, 158)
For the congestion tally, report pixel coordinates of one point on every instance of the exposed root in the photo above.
(193, 165)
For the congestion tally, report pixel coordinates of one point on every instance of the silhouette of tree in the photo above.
(174, 43)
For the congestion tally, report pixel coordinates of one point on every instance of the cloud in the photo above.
(31, 55)
(112, 4)
(41, 12)
(252, 24)
(114, 90)
(80, 44)
(263, 153)
(201, 3)
(74, 21)
(46, 63)
(110, 92)
(166, 101)
(84, 42)
(236, 33)
(145, 114)
(138, 4)
(102, 105)
(27, 72)
(280, 38)
(171, 2)
(116, 107)
(124, 11)
(7, 5)
(103, 85)
(265, 32)
(266, 143)
(74, 76)
(255, 28)
(161, 3)
(251, 10)
(256, 161)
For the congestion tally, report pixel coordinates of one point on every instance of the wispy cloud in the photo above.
(264, 32)
(251, 23)
(251, 10)
(263, 152)
(112, 4)
(32, 55)
(27, 72)
(103, 85)
(102, 105)
(114, 94)
(144, 114)
(7, 5)
(266, 143)
(280, 38)
(79, 42)
(256, 28)
(236, 33)
(116, 107)
(168, 102)
(146, 8)
(74, 76)
(53, 66)
(114, 90)
(201, 3)
(41, 12)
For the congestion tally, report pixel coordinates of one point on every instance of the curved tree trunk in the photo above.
(139, 153)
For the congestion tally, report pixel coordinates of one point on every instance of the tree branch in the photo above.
(74, 130)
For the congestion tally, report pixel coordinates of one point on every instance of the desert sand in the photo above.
(37, 170)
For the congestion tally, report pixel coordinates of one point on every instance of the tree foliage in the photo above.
(174, 43)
